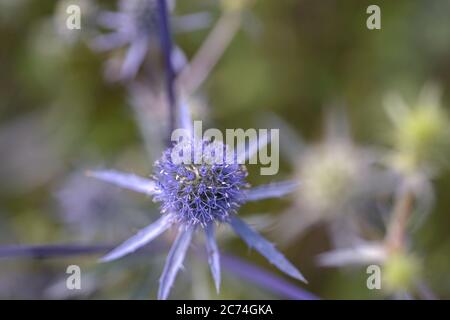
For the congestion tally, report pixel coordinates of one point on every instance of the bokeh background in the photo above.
(292, 60)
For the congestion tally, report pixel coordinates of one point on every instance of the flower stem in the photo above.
(403, 208)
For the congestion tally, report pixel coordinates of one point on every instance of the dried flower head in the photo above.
(421, 135)
(332, 177)
(336, 177)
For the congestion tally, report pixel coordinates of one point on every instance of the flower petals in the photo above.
(265, 279)
(109, 41)
(174, 261)
(125, 180)
(192, 22)
(134, 58)
(265, 248)
(272, 190)
(213, 254)
(140, 239)
(360, 255)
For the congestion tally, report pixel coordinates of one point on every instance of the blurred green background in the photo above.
(292, 58)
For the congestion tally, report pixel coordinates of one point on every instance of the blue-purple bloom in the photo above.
(200, 193)
(137, 25)
(193, 196)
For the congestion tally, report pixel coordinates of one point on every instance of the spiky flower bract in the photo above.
(337, 176)
(421, 132)
(135, 24)
(203, 192)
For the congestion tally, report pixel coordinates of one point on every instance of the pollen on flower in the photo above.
(202, 189)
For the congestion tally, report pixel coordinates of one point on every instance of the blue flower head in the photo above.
(197, 193)
(200, 192)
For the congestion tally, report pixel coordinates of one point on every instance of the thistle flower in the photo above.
(198, 195)
(137, 25)
(331, 176)
(421, 135)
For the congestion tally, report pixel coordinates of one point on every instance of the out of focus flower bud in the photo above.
(331, 176)
(336, 178)
(421, 134)
(400, 272)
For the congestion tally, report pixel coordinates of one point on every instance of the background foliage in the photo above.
(293, 58)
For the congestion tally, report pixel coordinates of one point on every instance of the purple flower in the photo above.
(137, 25)
(196, 196)
(200, 194)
